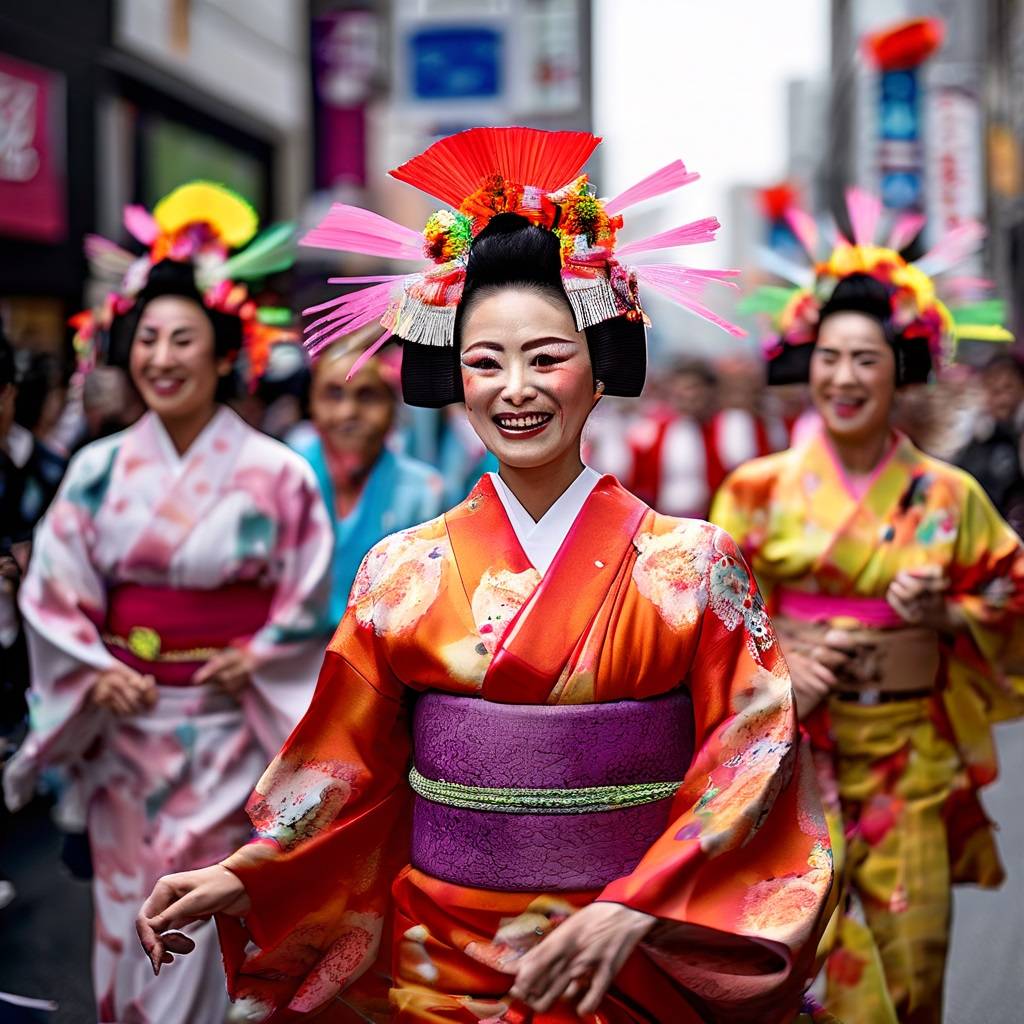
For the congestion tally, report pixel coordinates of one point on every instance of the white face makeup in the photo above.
(173, 359)
(526, 375)
(853, 376)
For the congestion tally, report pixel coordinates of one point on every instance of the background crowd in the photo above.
(699, 421)
(295, 106)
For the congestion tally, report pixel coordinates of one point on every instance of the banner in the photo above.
(899, 53)
(32, 132)
(345, 48)
(956, 179)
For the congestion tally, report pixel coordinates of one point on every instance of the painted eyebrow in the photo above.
(855, 352)
(494, 346)
(177, 330)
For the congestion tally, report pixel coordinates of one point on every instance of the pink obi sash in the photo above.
(169, 632)
(872, 612)
(891, 659)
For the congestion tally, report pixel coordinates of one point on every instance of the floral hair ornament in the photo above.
(917, 312)
(483, 172)
(200, 223)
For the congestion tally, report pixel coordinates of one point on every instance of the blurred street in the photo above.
(775, 283)
(985, 980)
(45, 933)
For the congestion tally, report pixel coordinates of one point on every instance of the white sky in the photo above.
(704, 80)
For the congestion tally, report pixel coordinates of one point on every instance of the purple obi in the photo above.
(541, 798)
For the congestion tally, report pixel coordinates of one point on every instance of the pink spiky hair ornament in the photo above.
(483, 172)
(199, 223)
(917, 312)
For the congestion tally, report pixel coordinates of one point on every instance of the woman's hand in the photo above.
(918, 596)
(179, 900)
(814, 673)
(230, 669)
(581, 957)
(123, 691)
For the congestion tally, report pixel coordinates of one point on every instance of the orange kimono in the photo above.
(634, 606)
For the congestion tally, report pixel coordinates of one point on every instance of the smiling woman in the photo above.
(180, 352)
(898, 595)
(608, 816)
(172, 601)
(854, 372)
(527, 376)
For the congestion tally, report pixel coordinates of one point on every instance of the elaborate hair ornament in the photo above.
(917, 310)
(479, 174)
(199, 223)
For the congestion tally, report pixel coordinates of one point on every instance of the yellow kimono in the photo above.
(903, 774)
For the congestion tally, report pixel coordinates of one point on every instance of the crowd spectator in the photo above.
(993, 455)
(676, 467)
(369, 489)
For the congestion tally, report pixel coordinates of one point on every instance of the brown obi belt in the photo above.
(526, 798)
(891, 660)
(169, 632)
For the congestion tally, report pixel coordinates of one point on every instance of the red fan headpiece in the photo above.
(483, 172)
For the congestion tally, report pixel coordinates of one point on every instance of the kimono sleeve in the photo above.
(987, 584)
(62, 599)
(742, 875)
(288, 649)
(741, 508)
(984, 659)
(331, 816)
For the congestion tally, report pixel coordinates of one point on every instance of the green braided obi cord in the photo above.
(513, 800)
(544, 798)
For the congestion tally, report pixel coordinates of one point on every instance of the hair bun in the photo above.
(860, 293)
(504, 224)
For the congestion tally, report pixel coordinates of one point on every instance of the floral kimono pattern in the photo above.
(904, 775)
(633, 606)
(164, 790)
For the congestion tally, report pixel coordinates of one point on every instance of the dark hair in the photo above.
(172, 277)
(864, 294)
(688, 366)
(860, 293)
(1003, 362)
(41, 376)
(512, 251)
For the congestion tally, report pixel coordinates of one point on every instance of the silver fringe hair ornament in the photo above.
(481, 173)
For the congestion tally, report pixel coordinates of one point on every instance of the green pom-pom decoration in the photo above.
(448, 235)
(275, 316)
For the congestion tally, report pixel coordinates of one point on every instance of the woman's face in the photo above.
(527, 376)
(353, 416)
(173, 361)
(853, 376)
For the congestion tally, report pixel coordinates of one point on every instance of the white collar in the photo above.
(542, 539)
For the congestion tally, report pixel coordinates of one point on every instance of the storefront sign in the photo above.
(32, 133)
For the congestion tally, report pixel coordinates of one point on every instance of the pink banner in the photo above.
(345, 53)
(32, 129)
